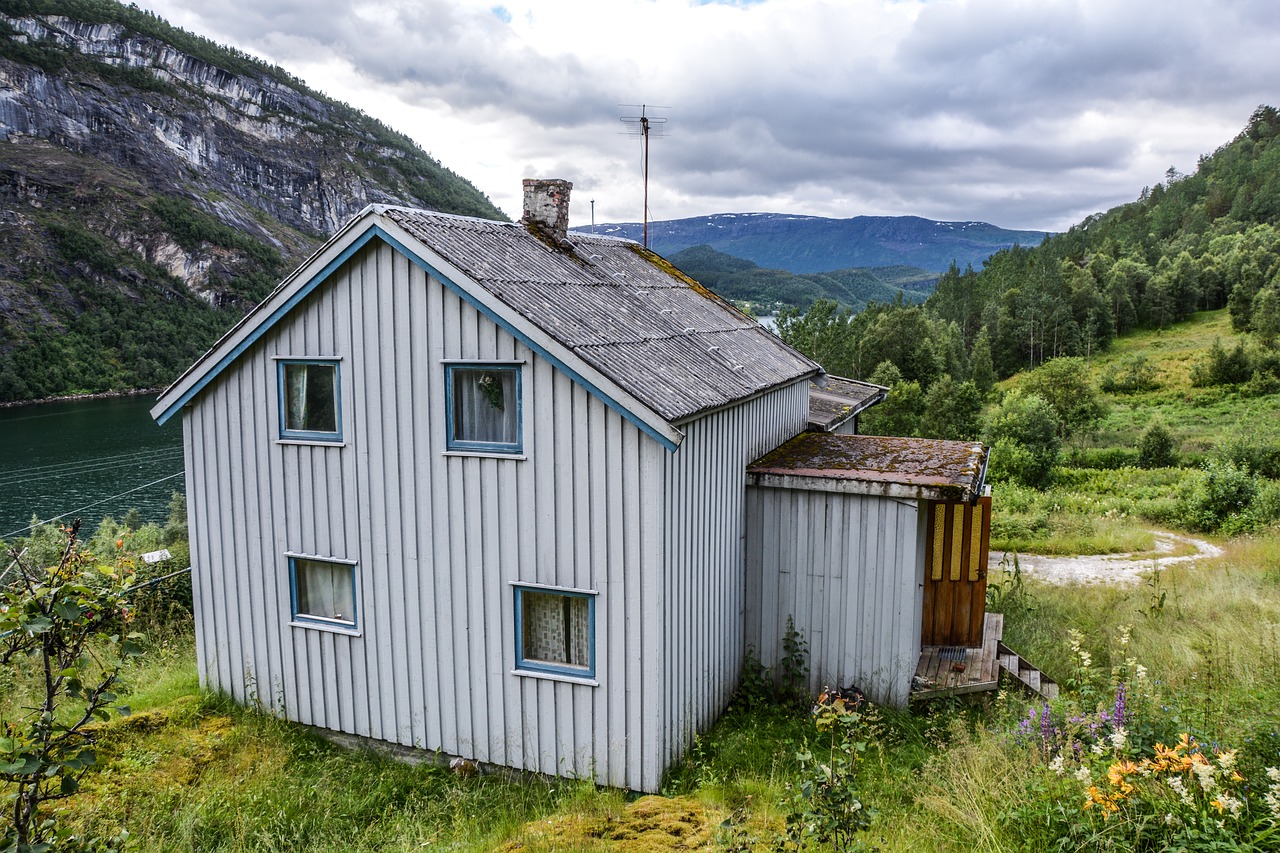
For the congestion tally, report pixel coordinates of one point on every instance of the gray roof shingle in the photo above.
(668, 341)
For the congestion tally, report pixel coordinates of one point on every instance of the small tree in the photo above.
(1155, 448)
(1064, 383)
(64, 623)
(1024, 440)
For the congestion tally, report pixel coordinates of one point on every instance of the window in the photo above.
(484, 407)
(323, 592)
(309, 401)
(555, 631)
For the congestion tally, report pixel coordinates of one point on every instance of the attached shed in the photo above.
(872, 547)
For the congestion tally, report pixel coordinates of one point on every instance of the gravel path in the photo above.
(1118, 569)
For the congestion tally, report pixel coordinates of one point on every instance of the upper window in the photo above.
(323, 592)
(484, 407)
(555, 631)
(309, 401)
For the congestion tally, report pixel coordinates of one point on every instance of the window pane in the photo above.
(557, 628)
(310, 397)
(325, 590)
(485, 405)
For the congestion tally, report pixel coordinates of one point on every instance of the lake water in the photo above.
(89, 458)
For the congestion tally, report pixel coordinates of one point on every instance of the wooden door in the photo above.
(955, 573)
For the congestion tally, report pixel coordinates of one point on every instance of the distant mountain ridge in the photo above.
(816, 244)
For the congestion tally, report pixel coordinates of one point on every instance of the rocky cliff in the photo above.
(154, 185)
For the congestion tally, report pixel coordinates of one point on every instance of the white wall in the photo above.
(848, 570)
(438, 542)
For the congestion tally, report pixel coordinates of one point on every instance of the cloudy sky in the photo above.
(1022, 113)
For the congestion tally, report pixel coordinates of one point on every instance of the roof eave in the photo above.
(853, 486)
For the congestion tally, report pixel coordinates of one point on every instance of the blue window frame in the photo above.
(555, 631)
(323, 593)
(483, 406)
(310, 399)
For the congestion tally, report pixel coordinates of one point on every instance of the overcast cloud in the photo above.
(1023, 114)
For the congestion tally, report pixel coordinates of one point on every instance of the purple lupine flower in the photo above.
(1118, 713)
(1048, 733)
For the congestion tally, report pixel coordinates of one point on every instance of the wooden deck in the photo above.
(949, 671)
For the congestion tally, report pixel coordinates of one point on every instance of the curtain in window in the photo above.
(556, 628)
(309, 397)
(484, 405)
(325, 590)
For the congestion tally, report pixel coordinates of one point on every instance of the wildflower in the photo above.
(1058, 765)
(1096, 749)
(1180, 788)
(1119, 711)
(1227, 759)
(1119, 739)
(1142, 672)
(1126, 632)
(1225, 803)
(1204, 775)
(1083, 774)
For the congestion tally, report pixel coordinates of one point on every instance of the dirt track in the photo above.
(1119, 569)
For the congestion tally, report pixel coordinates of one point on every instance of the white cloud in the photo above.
(1026, 114)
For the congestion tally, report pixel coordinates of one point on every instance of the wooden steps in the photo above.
(949, 671)
(1024, 673)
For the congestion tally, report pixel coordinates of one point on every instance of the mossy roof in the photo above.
(873, 464)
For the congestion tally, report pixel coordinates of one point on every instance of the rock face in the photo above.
(142, 163)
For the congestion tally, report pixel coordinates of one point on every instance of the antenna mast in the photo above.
(645, 126)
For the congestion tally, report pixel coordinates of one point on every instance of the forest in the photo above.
(1194, 242)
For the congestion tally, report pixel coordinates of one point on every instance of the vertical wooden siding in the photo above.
(846, 569)
(702, 648)
(438, 540)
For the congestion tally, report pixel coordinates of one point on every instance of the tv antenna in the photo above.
(645, 127)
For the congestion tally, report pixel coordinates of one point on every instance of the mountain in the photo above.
(154, 186)
(768, 290)
(815, 244)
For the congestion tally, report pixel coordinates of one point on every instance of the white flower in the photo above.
(1096, 749)
(1119, 738)
(1142, 672)
(1231, 804)
(1057, 765)
(1125, 633)
(1180, 788)
(1204, 775)
(1227, 759)
(1083, 775)
(1273, 773)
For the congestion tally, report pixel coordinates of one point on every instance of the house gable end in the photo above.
(240, 339)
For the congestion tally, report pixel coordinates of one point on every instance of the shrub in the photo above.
(1130, 376)
(1155, 448)
(1023, 433)
(1217, 498)
(1221, 367)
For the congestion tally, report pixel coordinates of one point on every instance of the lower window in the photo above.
(323, 592)
(555, 631)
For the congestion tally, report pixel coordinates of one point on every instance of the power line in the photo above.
(91, 506)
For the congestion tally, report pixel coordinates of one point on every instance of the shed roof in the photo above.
(834, 399)
(875, 465)
(648, 340)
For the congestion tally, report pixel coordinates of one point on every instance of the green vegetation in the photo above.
(767, 291)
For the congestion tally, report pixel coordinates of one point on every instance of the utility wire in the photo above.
(91, 506)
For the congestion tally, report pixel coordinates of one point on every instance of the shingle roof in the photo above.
(670, 342)
(834, 399)
(874, 464)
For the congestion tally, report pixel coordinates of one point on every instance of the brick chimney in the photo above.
(546, 206)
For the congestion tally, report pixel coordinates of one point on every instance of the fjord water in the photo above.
(92, 457)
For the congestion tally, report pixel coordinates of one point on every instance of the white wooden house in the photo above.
(479, 488)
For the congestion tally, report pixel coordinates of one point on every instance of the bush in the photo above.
(1130, 376)
(1023, 434)
(1217, 499)
(1221, 367)
(1155, 448)
(1105, 458)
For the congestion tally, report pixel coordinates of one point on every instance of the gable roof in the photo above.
(649, 341)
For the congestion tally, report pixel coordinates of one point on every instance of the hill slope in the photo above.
(154, 185)
(815, 244)
(771, 290)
